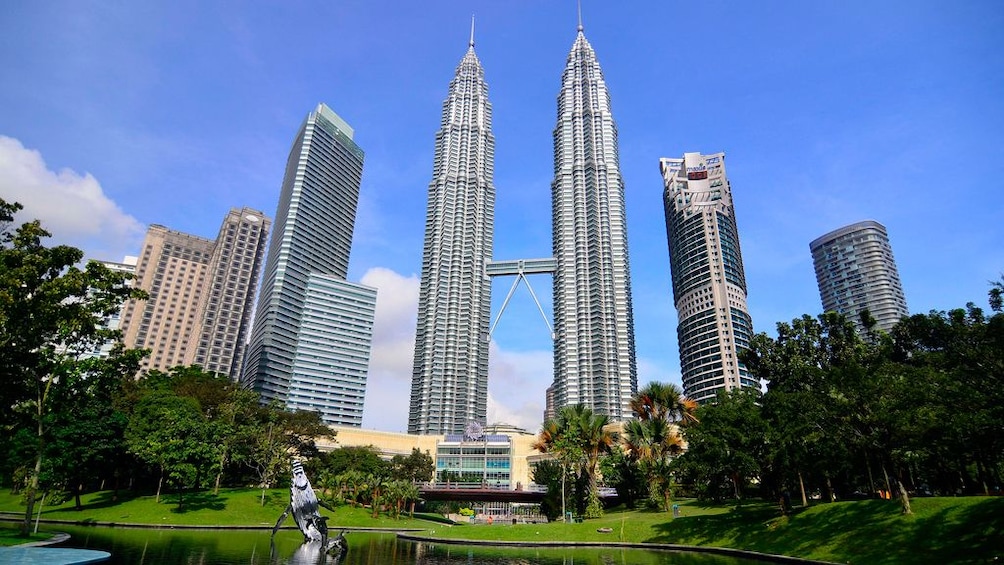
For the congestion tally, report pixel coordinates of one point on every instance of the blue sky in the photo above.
(114, 116)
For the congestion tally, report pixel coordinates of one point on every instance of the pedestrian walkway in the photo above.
(25, 555)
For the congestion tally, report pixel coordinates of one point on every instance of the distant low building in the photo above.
(499, 460)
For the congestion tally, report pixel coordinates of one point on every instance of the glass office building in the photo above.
(311, 327)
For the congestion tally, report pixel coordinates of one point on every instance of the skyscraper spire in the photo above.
(579, 4)
(449, 386)
(594, 349)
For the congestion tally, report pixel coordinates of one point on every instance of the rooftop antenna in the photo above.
(472, 30)
(579, 3)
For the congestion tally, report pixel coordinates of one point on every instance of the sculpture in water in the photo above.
(303, 505)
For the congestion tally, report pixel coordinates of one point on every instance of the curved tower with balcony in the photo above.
(449, 384)
(594, 348)
(856, 271)
(709, 283)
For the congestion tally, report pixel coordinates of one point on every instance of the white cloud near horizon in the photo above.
(71, 206)
(388, 385)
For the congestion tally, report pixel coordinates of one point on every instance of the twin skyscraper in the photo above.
(594, 348)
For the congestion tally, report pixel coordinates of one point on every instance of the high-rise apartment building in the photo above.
(709, 283)
(226, 306)
(201, 293)
(594, 348)
(312, 330)
(449, 384)
(855, 271)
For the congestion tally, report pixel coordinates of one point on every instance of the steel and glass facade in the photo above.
(333, 350)
(594, 348)
(486, 460)
(855, 271)
(310, 243)
(709, 283)
(450, 374)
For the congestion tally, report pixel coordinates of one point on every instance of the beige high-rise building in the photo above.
(709, 282)
(201, 294)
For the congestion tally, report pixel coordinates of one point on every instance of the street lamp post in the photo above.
(563, 515)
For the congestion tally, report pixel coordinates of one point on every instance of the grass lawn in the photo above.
(10, 536)
(941, 530)
(232, 507)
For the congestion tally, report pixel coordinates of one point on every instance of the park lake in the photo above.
(138, 546)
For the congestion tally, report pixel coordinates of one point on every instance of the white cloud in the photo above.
(73, 207)
(388, 385)
(517, 384)
(396, 311)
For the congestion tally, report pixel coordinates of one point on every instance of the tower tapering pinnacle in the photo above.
(594, 349)
(449, 386)
(579, 5)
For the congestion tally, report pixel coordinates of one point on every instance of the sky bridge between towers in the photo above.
(520, 268)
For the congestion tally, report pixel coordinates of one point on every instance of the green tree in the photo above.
(347, 484)
(375, 487)
(625, 475)
(996, 295)
(228, 409)
(727, 446)
(962, 352)
(51, 315)
(87, 433)
(364, 459)
(414, 467)
(550, 473)
(805, 405)
(170, 433)
(399, 492)
(278, 436)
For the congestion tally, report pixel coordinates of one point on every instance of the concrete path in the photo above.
(23, 555)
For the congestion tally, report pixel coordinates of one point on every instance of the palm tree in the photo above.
(394, 494)
(411, 495)
(653, 444)
(577, 438)
(374, 485)
(400, 492)
(350, 482)
(655, 437)
(596, 441)
(663, 401)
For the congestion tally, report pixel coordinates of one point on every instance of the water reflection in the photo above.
(252, 547)
(309, 553)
